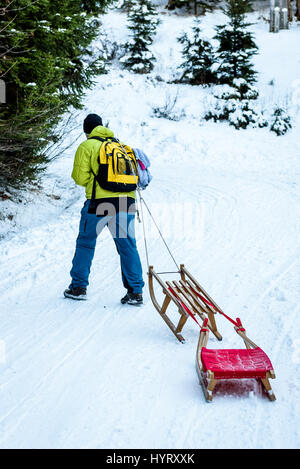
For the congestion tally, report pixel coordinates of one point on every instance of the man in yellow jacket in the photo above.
(116, 210)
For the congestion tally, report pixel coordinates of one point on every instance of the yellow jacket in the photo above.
(86, 160)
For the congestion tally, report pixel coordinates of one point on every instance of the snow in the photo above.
(96, 374)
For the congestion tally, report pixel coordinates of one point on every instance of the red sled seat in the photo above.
(236, 363)
(214, 365)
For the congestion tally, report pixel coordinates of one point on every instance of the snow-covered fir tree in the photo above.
(198, 57)
(236, 44)
(237, 105)
(48, 61)
(143, 21)
(281, 123)
(173, 4)
(200, 7)
(124, 4)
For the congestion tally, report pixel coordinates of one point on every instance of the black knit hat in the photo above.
(90, 122)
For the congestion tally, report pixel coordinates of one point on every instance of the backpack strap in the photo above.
(113, 139)
(93, 198)
(97, 138)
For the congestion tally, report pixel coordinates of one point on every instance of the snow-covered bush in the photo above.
(239, 114)
(236, 104)
(221, 111)
(245, 116)
(143, 21)
(124, 5)
(168, 110)
(110, 49)
(281, 122)
(239, 90)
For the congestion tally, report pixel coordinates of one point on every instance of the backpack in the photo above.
(117, 167)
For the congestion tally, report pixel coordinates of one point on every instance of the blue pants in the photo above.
(121, 227)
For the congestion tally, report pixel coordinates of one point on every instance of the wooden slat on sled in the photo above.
(188, 296)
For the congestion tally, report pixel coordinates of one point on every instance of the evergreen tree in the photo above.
(199, 58)
(46, 64)
(236, 104)
(200, 7)
(281, 121)
(124, 5)
(173, 4)
(237, 46)
(143, 21)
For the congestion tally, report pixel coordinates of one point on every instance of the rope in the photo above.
(143, 225)
(236, 323)
(142, 219)
(142, 201)
(165, 273)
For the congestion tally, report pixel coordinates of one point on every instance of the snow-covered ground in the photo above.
(95, 374)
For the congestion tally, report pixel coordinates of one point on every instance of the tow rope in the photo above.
(142, 201)
(236, 323)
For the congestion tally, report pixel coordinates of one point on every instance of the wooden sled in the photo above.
(189, 297)
(214, 365)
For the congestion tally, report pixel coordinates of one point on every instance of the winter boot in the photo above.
(77, 293)
(135, 299)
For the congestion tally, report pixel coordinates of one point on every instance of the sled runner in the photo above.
(190, 299)
(215, 365)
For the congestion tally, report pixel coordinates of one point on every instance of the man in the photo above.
(116, 210)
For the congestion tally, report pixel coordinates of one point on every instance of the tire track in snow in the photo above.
(29, 397)
(288, 326)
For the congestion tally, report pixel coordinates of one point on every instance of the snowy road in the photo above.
(95, 374)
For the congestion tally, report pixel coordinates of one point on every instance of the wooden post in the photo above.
(284, 19)
(281, 6)
(298, 10)
(272, 6)
(276, 19)
(290, 11)
(2, 92)
(280, 11)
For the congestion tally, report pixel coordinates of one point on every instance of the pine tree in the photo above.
(237, 46)
(125, 5)
(173, 4)
(200, 7)
(281, 122)
(199, 58)
(46, 64)
(143, 21)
